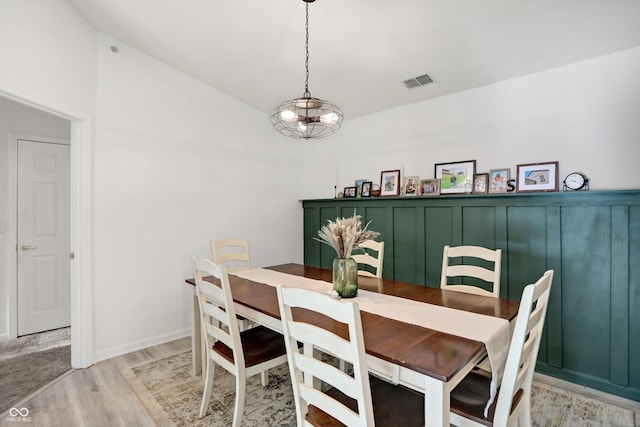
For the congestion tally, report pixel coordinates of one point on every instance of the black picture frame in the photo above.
(350, 192)
(366, 189)
(390, 183)
(454, 176)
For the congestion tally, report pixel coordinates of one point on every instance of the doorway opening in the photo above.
(80, 226)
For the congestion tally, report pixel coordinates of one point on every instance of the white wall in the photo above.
(48, 50)
(585, 115)
(17, 119)
(177, 164)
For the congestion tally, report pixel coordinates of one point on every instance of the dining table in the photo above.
(430, 356)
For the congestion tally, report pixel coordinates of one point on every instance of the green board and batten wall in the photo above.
(590, 239)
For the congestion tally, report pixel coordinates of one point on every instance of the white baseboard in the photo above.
(586, 391)
(139, 345)
(4, 337)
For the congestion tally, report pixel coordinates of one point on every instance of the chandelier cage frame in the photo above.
(307, 117)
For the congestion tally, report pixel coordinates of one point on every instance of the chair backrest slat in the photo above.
(323, 338)
(318, 399)
(471, 271)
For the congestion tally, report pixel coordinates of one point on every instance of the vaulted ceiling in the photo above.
(361, 51)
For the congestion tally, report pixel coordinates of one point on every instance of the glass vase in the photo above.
(345, 277)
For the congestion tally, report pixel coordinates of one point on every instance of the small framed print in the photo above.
(537, 177)
(454, 176)
(498, 179)
(366, 189)
(349, 192)
(390, 183)
(411, 185)
(359, 187)
(429, 187)
(480, 183)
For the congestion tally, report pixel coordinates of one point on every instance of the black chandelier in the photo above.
(306, 117)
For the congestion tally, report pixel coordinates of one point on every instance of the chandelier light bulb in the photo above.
(329, 118)
(288, 115)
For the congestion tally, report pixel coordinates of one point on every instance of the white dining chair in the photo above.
(471, 269)
(233, 253)
(512, 405)
(243, 354)
(325, 395)
(367, 258)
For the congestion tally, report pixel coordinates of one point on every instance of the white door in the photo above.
(44, 294)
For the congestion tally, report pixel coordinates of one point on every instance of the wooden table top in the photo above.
(423, 350)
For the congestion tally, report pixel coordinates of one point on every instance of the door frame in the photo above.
(81, 216)
(12, 220)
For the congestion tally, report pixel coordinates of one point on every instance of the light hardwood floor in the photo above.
(94, 397)
(100, 397)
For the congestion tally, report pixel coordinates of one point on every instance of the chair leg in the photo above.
(524, 418)
(238, 410)
(264, 375)
(208, 388)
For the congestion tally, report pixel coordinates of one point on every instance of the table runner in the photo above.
(492, 331)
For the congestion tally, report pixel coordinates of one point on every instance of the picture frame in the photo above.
(390, 183)
(359, 183)
(366, 189)
(481, 183)
(429, 187)
(350, 192)
(411, 185)
(454, 175)
(498, 179)
(536, 177)
(375, 190)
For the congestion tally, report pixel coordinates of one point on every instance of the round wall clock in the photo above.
(576, 181)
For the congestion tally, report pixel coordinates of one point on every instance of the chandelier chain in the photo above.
(307, 94)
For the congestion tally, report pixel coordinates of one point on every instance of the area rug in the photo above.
(172, 395)
(29, 363)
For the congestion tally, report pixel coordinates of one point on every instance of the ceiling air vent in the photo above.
(418, 81)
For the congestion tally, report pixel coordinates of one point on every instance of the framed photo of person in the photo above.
(454, 176)
(498, 179)
(480, 183)
(366, 189)
(350, 192)
(390, 183)
(411, 185)
(429, 187)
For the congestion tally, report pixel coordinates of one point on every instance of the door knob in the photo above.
(27, 247)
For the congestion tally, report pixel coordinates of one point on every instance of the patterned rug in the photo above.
(172, 397)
